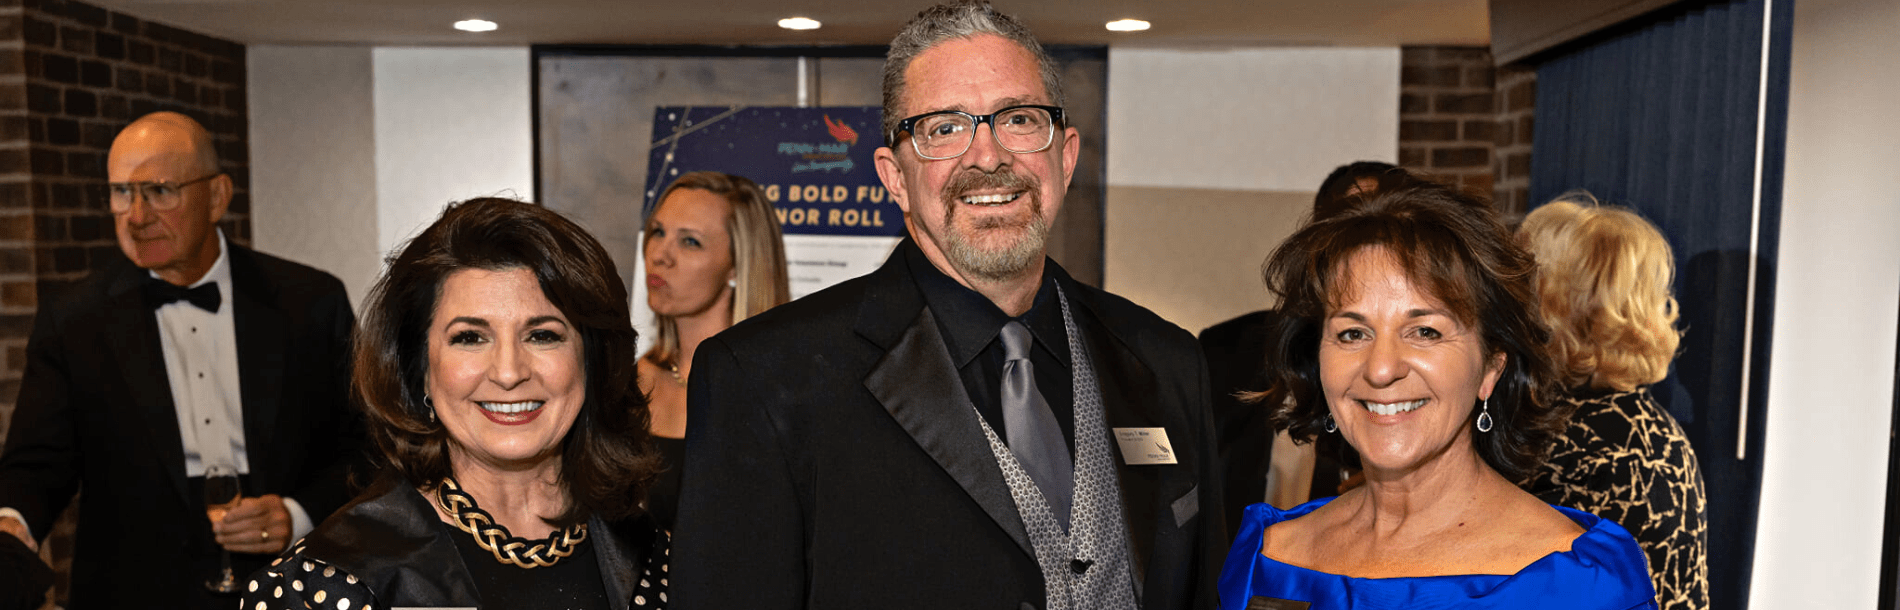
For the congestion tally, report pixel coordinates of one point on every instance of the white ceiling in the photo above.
(1177, 23)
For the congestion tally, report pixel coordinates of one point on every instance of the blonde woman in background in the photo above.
(714, 256)
(1603, 282)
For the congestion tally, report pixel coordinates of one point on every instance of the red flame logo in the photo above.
(844, 133)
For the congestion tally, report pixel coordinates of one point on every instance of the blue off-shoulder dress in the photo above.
(1603, 570)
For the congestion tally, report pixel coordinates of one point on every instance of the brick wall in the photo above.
(1461, 120)
(71, 76)
(1517, 98)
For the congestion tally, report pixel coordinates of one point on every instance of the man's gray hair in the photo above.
(961, 19)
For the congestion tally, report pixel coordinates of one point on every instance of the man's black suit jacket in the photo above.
(95, 411)
(1237, 362)
(1236, 353)
(834, 460)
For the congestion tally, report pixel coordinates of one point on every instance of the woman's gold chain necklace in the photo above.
(494, 538)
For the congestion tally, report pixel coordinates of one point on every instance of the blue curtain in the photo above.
(1662, 115)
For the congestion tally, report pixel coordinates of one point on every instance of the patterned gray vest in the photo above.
(1086, 567)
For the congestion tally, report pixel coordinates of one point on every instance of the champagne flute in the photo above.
(221, 495)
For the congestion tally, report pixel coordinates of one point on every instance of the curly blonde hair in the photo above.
(1603, 281)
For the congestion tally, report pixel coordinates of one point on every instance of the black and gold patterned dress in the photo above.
(1625, 459)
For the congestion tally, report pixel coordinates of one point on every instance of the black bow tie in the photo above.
(159, 293)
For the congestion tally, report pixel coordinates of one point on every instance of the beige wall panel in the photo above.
(1263, 119)
(313, 159)
(1831, 373)
(1193, 255)
(452, 123)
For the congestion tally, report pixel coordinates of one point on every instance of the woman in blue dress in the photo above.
(1410, 329)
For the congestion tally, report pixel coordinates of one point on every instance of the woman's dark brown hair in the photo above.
(1453, 246)
(606, 460)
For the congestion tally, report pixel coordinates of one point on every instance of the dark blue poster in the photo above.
(814, 163)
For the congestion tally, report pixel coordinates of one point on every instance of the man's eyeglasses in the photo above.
(159, 195)
(947, 134)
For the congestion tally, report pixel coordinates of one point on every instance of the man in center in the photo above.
(967, 426)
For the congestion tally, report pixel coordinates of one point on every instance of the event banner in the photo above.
(815, 166)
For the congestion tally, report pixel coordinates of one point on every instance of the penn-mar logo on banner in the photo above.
(811, 162)
(823, 156)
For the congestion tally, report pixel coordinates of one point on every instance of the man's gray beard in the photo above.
(1006, 263)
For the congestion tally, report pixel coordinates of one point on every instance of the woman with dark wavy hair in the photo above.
(495, 363)
(1410, 329)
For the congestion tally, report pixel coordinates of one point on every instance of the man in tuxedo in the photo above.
(966, 426)
(190, 352)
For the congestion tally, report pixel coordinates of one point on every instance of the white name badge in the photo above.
(1145, 446)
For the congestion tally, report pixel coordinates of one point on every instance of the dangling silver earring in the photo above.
(1484, 417)
(1331, 426)
(431, 406)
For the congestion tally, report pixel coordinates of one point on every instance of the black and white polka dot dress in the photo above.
(297, 582)
(293, 581)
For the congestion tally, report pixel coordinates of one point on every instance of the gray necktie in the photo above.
(1031, 427)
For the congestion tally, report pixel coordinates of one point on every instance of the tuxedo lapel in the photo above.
(918, 385)
(261, 336)
(132, 338)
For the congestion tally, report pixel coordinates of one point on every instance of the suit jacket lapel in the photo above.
(141, 358)
(1131, 399)
(261, 335)
(917, 383)
(1128, 402)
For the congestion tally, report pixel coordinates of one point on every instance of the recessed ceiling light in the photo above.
(475, 25)
(1127, 25)
(799, 23)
